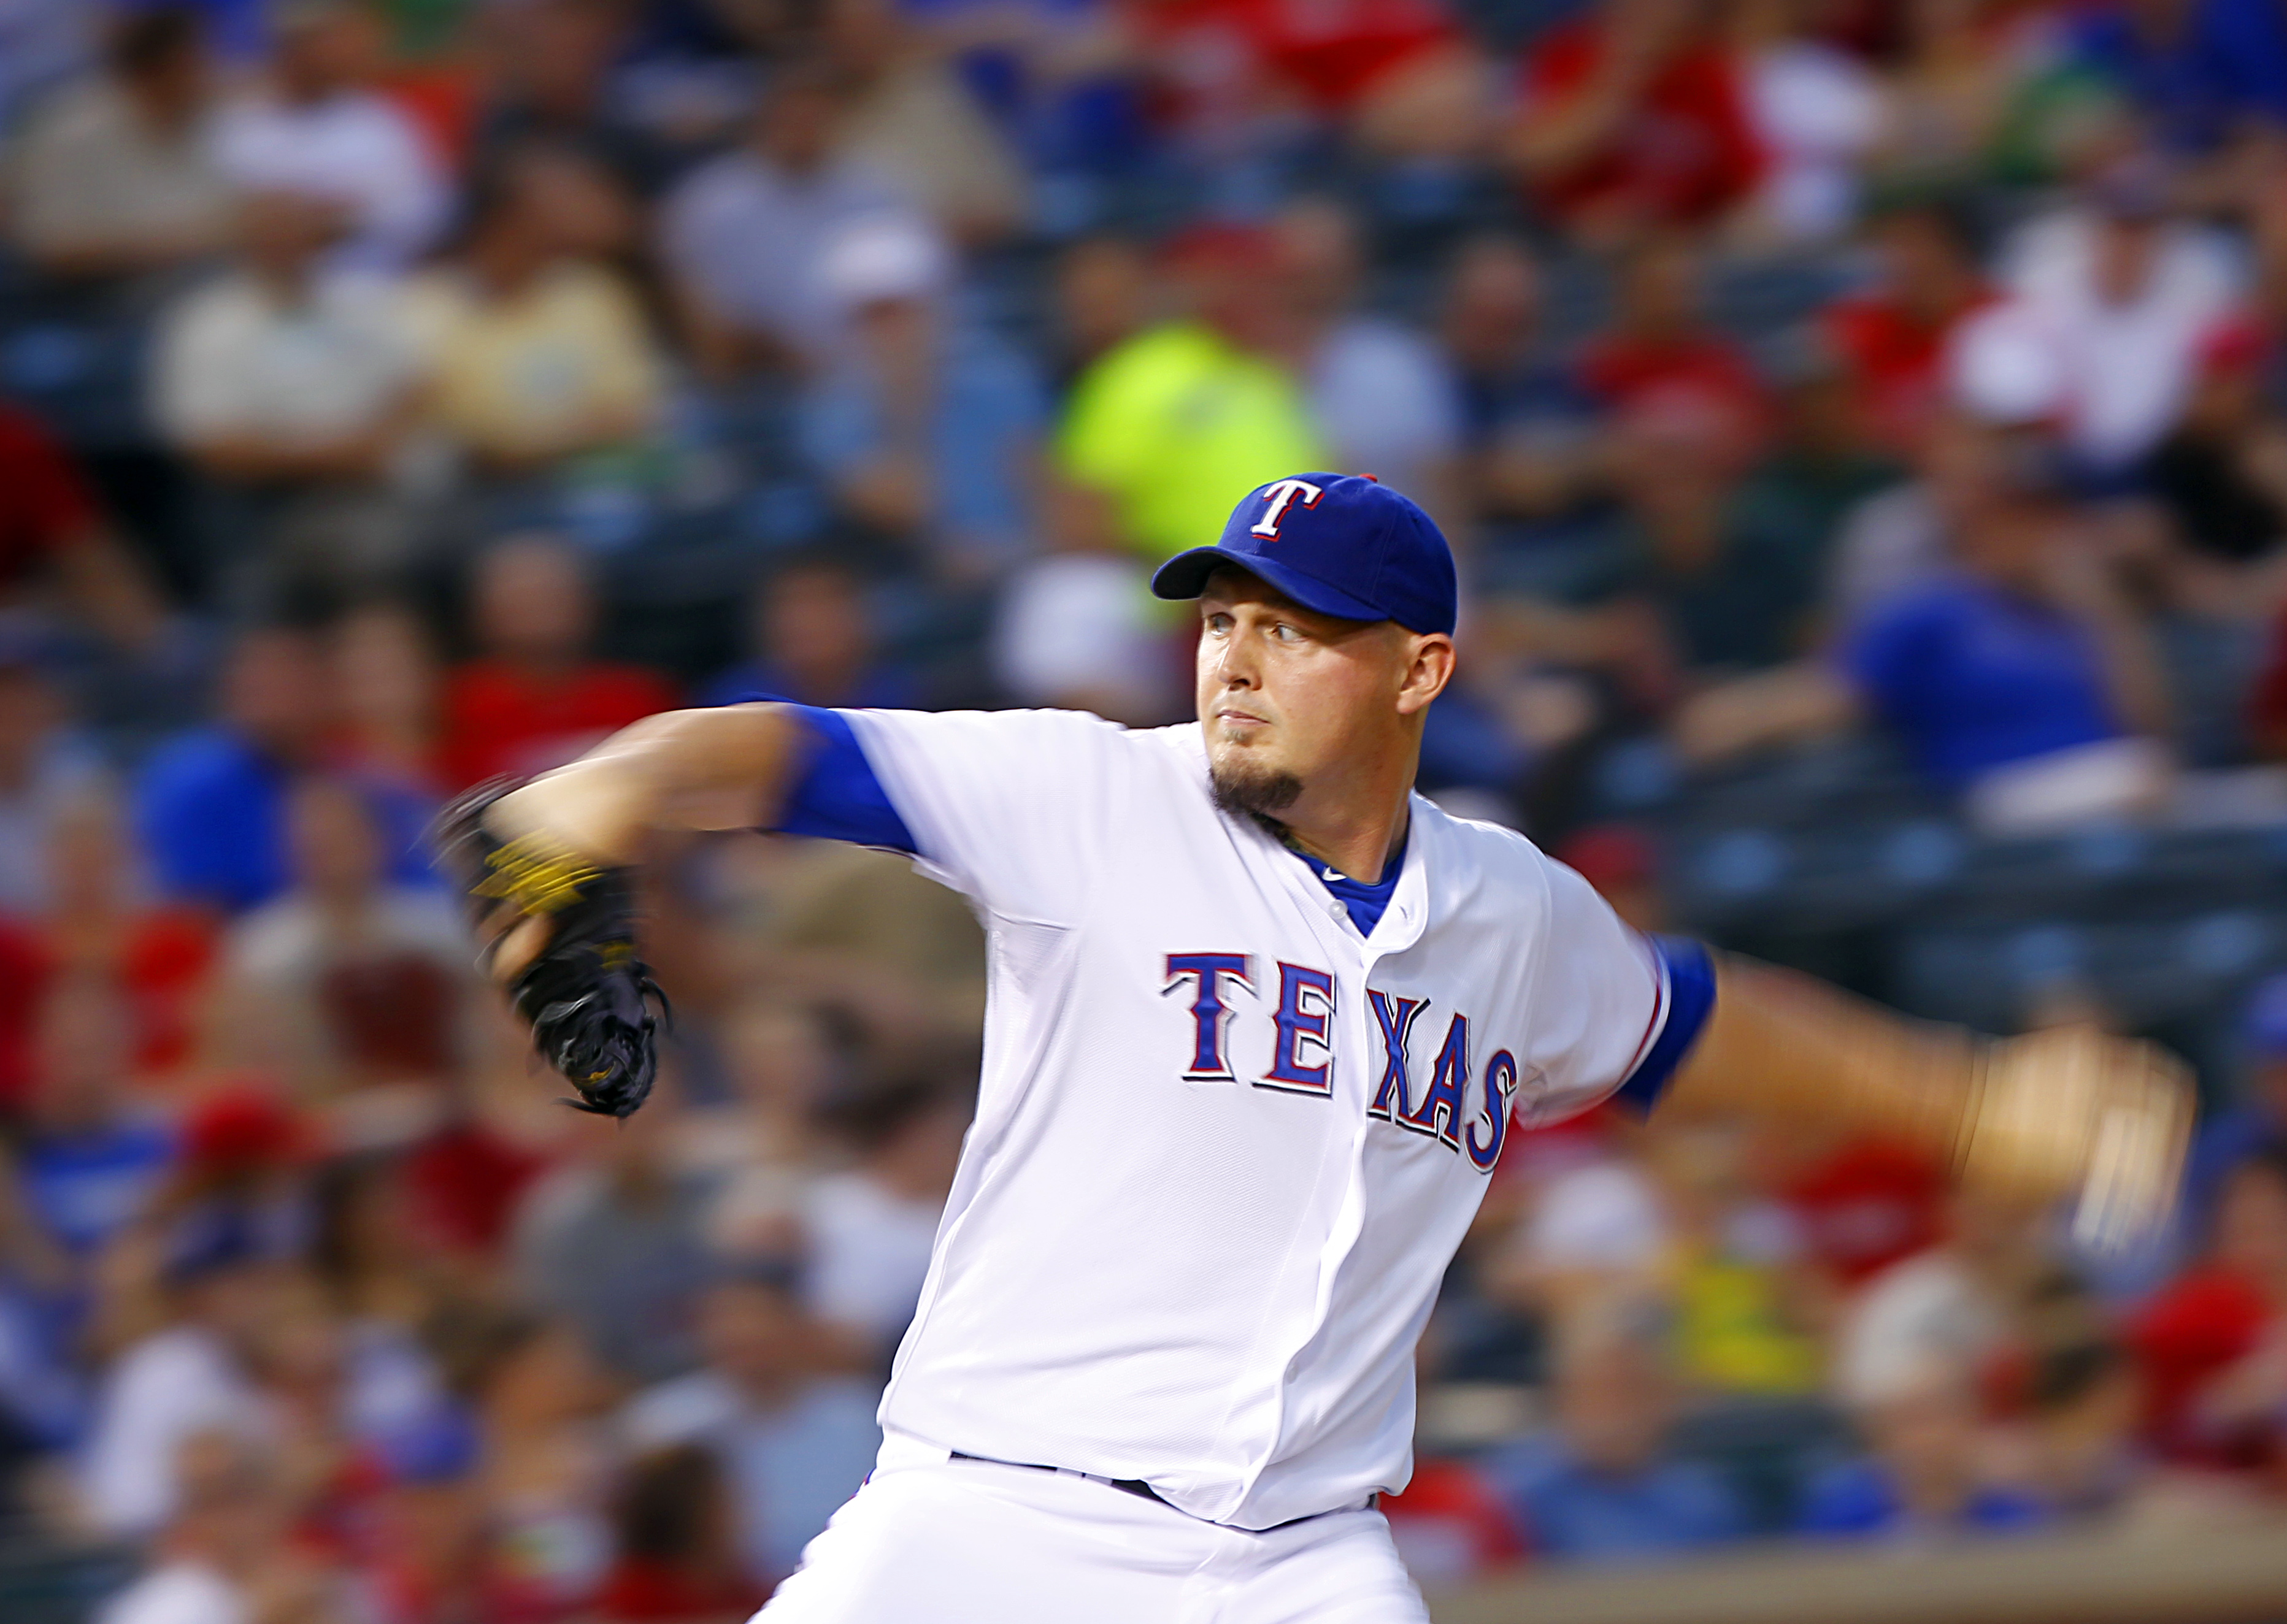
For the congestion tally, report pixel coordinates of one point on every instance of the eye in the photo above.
(1217, 623)
(1286, 632)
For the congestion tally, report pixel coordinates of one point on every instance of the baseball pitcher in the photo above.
(1260, 1020)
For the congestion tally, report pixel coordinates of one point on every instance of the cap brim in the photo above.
(1185, 576)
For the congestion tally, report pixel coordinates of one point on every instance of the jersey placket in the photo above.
(1402, 925)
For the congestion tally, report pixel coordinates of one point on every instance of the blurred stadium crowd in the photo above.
(1864, 426)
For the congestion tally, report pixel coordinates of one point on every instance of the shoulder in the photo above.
(1472, 855)
(1083, 728)
(1069, 743)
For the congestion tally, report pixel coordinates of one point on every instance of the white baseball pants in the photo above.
(934, 1540)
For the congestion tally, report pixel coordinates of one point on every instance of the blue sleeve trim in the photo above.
(838, 796)
(1690, 975)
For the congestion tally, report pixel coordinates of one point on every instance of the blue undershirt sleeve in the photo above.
(838, 796)
(1690, 975)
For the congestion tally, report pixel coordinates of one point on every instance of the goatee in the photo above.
(1261, 793)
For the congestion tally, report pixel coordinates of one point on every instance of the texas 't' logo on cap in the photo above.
(1367, 553)
(1279, 495)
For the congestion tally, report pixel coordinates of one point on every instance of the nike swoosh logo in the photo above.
(1330, 874)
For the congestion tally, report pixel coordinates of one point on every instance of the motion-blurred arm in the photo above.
(2069, 1110)
(728, 768)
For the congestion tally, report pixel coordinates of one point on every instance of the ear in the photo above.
(1428, 668)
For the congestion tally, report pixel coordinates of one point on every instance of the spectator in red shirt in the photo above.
(1449, 1525)
(1400, 74)
(386, 665)
(53, 535)
(1891, 339)
(2267, 715)
(2212, 1347)
(1633, 119)
(158, 955)
(1661, 356)
(534, 698)
(1865, 1204)
(679, 1561)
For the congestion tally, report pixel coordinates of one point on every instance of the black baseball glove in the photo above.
(594, 1010)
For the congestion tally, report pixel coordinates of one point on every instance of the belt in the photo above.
(1126, 1486)
(1142, 1490)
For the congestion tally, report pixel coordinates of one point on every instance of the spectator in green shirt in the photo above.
(1181, 420)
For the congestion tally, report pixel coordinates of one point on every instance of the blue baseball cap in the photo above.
(1341, 544)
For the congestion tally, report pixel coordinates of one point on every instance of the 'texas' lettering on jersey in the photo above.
(1462, 1108)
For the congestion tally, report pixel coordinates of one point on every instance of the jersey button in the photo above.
(1335, 910)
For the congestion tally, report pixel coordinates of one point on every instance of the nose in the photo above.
(1230, 664)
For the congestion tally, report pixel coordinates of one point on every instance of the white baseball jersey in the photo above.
(1225, 1144)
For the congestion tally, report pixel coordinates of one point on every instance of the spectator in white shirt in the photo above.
(745, 236)
(348, 984)
(1383, 395)
(115, 175)
(794, 1444)
(190, 1378)
(290, 385)
(1076, 627)
(1818, 110)
(219, 1561)
(871, 1225)
(2123, 290)
(315, 129)
(1946, 1307)
(281, 371)
(46, 768)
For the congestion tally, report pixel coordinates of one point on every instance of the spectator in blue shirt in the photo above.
(88, 1162)
(1923, 1474)
(1598, 1487)
(2025, 648)
(927, 428)
(2254, 1121)
(88, 1166)
(2200, 70)
(2020, 645)
(1530, 438)
(211, 808)
(794, 1444)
